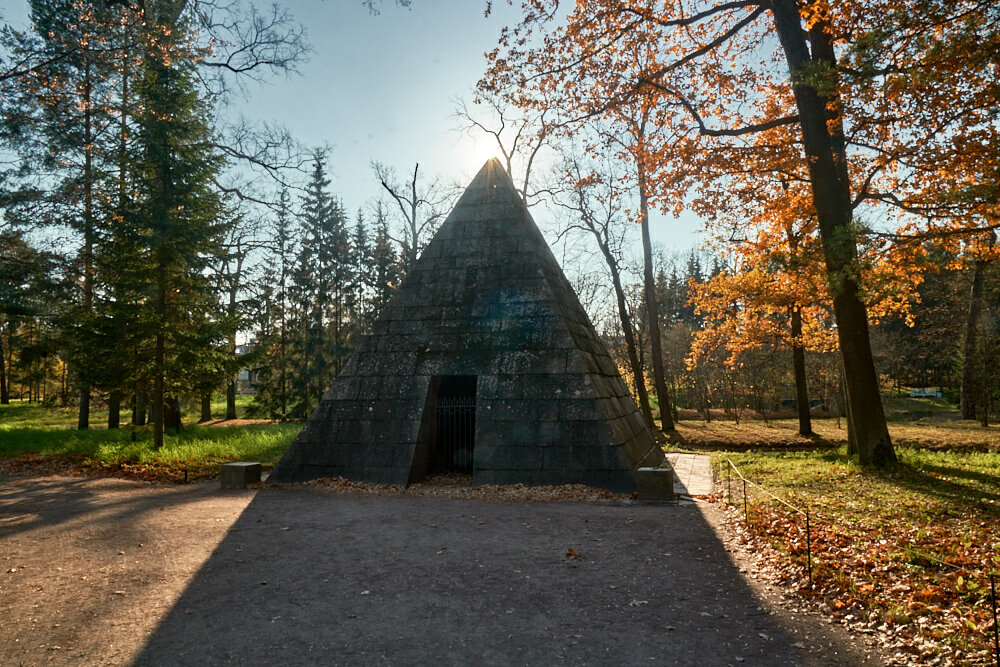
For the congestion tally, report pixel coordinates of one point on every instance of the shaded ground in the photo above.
(101, 571)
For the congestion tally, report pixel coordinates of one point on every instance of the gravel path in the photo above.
(306, 576)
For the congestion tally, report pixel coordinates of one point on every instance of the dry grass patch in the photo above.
(831, 433)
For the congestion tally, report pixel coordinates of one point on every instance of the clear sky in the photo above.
(382, 88)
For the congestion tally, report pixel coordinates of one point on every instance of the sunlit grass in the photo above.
(25, 413)
(263, 443)
(747, 434)
(29, 431)
(881, 538)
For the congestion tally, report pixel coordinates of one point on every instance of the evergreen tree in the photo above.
(27, 290)
(361, 256)
(59, 119)
(175, 223)
(274, 334)
(312, 291)
(385, 263)
(342, 273)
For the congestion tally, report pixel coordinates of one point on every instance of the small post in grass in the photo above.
(996, 630)
(729, 486)
(809, 558)
(746, 512)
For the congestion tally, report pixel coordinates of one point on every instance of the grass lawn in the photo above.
(25, 413)
(783, 434)
(906, 551)
(44, 437)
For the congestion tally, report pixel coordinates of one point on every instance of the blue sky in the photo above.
(382, 88)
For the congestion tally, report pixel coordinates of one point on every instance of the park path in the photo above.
(192, 575)
(693, 474)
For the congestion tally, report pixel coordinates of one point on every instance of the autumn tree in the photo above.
(846, 103)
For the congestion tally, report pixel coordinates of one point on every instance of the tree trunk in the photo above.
(158, 388)
(826, 158)
(284, 390)
(206, 408)
(968, 398)
(799, 367)
(626, 322)
(141, 407)
(114, 409)
(172, 413)
(4, 387)
(83, 416)
(231, 400)
(652, 312)
(234, 285)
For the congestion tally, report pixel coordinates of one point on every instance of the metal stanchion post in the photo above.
(746, 512)
(996, 630)
(729, 485)
(809, 560)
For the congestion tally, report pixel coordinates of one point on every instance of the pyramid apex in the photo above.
(491, 172)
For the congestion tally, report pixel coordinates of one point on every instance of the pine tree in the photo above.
(385, 263)
(313, 358)
(175, 223)
(274, 335)
(341, 273)
(361, 256)
(59, 119)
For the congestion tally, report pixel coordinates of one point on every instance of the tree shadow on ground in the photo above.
(811, 443)
(30, 503)
(982, 497)
(306, 577)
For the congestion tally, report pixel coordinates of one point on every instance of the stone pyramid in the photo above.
(484, 361)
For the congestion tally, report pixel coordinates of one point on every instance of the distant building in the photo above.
(926, 392)
(246, 378)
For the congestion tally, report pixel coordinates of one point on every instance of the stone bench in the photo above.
(237, 475)
(655, 484)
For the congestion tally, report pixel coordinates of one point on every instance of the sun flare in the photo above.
(472, 152)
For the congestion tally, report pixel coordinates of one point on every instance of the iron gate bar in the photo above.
(456, 432)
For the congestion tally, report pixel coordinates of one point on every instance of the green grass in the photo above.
(925, 484)
(904, 408)
(25, 413)
(30, 431)
(954, 434)
(219, 406)
(263, 443)
(872, 531)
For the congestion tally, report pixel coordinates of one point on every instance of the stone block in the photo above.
(579, 410)
(655, 483)
(508, 458)
(237, 475)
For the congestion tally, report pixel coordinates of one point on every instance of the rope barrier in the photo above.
(992, 576)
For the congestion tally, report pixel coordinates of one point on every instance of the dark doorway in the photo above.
(455, 435)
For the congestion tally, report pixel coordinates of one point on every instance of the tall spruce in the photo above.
(176, 220)
(385, 262)
(275, 329)
(361, 256)
(58, 118)
(318, 288)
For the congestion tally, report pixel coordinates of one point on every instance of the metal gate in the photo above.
(456, 433)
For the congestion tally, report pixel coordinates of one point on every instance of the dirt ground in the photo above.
(106, 571)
